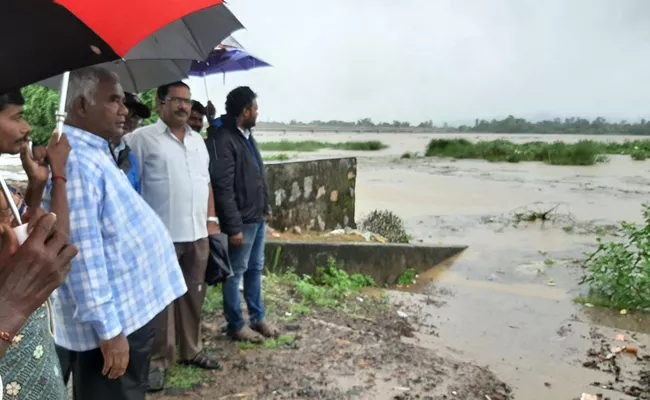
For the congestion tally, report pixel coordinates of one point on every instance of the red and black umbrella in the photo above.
(43, 38)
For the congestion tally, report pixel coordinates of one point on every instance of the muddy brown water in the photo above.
(501, 303)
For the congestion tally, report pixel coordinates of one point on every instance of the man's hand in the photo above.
(57, 154)
(35, 166)
(269, 216)
(212, 112)
(237, 240)
(116, 356)
(213, 228)
(31, 272)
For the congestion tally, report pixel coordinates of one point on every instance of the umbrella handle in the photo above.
(205, 83)
(10, 200)
(61, 114)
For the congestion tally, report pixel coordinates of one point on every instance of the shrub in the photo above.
(386, 224)
(618, 273)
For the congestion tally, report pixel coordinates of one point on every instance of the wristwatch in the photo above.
(213, 219)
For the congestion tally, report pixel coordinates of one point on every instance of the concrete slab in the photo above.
(384, 262)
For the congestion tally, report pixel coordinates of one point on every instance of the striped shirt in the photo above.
(126, 271)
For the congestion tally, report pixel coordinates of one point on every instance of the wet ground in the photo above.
(354, 351)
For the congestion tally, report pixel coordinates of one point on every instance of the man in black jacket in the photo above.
(242, 204)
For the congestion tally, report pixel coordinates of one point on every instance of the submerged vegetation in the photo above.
(387, 224)
(584, 152)
(618, 272)
(312, 145)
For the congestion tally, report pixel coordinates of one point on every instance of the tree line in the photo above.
(41, 105)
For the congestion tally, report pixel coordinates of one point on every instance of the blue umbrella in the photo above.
(224, 59)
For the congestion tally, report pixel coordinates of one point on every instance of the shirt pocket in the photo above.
(198, 161)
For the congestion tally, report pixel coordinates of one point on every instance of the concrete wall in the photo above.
(315, 195)
(385, 263)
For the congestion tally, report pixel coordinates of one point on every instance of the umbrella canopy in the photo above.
(166, 56)
(224, 59)
(66, 35)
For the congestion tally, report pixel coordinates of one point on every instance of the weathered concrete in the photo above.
(384, 262)
(316, 195)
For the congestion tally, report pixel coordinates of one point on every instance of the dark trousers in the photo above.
(178, 327)
(86, 368)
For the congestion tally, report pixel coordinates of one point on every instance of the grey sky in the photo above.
(445, 60)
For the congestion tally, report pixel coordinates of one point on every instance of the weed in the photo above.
(408, 277)
(277, 157)
(213, 299)
(406, 155)
(329, 287)
(549, 263)
(183, 377)
(618, 273)
(312, 145)
(639, 155)
(387, 224)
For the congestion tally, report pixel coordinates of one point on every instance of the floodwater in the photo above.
(507, 301)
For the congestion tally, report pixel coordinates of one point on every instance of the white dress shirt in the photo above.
(174, 178)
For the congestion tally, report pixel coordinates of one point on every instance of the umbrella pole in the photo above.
(61, 114)
(10, 200)
(205, 83)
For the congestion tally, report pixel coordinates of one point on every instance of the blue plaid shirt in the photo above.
(126, 271)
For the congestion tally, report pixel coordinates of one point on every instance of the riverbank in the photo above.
(584, 152)
(337, 342)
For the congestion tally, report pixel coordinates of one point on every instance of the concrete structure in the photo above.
(385, 263)
(316, 195)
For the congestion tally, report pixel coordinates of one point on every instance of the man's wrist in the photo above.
(213, 220)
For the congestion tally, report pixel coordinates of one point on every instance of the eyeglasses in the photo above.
(177, 101)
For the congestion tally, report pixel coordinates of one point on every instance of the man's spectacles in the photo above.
(177, 101)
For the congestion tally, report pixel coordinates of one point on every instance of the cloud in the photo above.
(446, 60)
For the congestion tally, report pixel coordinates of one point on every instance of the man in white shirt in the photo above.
(173, 162)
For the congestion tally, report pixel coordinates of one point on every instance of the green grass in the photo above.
(182, 377)
(283, 341)
(584, 152)
(277, 157)
(312, 145)
(213, 299)
(407, 277)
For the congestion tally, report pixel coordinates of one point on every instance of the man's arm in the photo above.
(222, 175)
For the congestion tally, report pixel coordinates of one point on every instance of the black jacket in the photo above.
(239, 185)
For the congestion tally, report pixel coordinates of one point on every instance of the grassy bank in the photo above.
(585, 152)
(312, 145)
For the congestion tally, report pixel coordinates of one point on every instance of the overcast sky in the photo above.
(445, 60)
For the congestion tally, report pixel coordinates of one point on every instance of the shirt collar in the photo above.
(79, 135)
(162, 127)
(246, 133)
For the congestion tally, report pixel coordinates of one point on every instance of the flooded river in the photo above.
(507, 301)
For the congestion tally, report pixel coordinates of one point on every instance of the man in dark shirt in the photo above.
(242, 205)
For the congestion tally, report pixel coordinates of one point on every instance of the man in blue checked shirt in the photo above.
(126, 272)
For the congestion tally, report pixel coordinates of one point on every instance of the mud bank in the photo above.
(354, 351)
